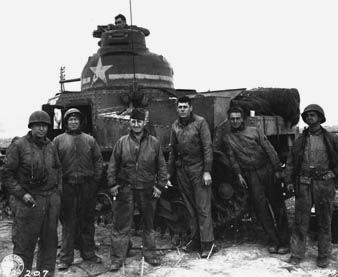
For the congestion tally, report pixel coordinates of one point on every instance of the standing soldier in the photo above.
(256, 163)
(191, 161)
(136, 171)
(81, 162)
(311, 167)
(32, 174)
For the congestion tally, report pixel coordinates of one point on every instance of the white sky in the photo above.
(214, 44)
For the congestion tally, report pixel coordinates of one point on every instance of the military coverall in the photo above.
(191, 155)
(136, 167)
(312, 166)
(82, 163)
(33, 167)
(252, 155)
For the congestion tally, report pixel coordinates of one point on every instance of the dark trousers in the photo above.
(77, 218)
(197, 199)
(123, 221)
(322, 195)
(37, 225)
(268, 203)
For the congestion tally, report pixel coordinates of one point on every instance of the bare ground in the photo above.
(241, 252)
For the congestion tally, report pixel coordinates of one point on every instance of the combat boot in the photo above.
(95, 259)
(154, 260)
(208, 248)
(62, 266)
(323, 262)
(115, 265)
(294, 260)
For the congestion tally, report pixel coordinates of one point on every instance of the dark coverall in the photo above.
(136, 167)
(33, 167)
(252, 155)
(312, 166)
(81, 162)
(191, 155)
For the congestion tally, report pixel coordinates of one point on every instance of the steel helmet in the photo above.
(39, 117)
(72, 111)
(314, 108)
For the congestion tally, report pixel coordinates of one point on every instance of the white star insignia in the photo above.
(100, 71)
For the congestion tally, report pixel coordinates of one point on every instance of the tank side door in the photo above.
(55, 112)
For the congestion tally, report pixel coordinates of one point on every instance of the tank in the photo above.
(124, 74)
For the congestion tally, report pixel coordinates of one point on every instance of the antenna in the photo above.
(132, 50)
(62, 77)
(131, 14)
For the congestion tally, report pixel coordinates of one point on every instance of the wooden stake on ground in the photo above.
(142, 266)
(212, 248)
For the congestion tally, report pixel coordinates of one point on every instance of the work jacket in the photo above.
(80, 157)
(32, 167)
(248, 149)
(137, 163)
(190, 143)
(296, 156)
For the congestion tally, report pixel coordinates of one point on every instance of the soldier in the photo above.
(81, 162)
(190, 161)
(311, 167)
(136, 172)
(32, 174)
(256, 163)
(120, 21)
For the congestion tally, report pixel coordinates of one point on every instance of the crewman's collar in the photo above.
(241, 128)
(186, 120)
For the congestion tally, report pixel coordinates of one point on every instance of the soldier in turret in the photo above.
(32, 174)
(311, 171)
(120, 21)
(190, 161)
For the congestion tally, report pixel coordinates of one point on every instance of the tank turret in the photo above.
(123, 60)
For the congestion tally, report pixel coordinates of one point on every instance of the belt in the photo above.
(307, 176)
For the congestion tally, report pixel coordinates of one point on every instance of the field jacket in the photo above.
(296, 156)
(248, 149)
(32, 167)
(191, 143)
(80, 157)
(139, 164)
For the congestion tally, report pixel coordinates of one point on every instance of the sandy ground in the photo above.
(240, 253)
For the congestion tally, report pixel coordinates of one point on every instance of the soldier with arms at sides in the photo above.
(190, 161)
(82, 163)
(256, 163)
(136, 174)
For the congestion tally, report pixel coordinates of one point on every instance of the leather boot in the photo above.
(323, 262)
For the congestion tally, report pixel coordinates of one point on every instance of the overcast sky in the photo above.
(210, 45)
